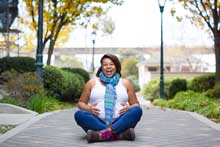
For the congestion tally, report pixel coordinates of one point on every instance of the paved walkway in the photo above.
(157, 128)
(14, 115)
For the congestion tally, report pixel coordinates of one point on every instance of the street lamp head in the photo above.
(93, 35)
(161, 4)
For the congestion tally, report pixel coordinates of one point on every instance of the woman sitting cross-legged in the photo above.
(108, 107)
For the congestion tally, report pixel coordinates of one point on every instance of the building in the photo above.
(190, 66)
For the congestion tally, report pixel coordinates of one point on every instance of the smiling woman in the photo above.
(109, 104)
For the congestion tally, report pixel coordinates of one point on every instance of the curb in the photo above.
(203, 119)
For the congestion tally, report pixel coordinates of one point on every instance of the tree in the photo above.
(206, 13)
(129, 67)
(61, 15)
(108, 27)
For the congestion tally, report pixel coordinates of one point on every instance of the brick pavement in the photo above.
(157, 128)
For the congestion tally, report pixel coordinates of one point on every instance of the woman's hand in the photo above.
(92, 109)
(124, 108)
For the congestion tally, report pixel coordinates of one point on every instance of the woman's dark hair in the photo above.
(114, 59)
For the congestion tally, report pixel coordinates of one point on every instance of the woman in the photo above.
(108, 106)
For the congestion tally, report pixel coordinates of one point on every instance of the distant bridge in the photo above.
(100, 50)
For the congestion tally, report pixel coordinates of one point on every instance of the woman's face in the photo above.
(108, 67)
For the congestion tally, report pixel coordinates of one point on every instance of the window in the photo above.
(153, 69)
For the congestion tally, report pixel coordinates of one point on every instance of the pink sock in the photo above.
(106, 134)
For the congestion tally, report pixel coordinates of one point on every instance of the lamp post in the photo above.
(161, 4)
(39, 55)
(93, 49)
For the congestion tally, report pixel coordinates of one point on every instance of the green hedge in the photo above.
(202, 83)
(53, 80)
(79, 71)
(62, 84)
(20, 64)
(214, 92)
(151, 90)
(72, 87)
(176, 86)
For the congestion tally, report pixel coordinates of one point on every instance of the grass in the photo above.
(5, 128)
(39, 103)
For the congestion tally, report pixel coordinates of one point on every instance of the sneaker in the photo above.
(95, 136)
(92, 136)
(129, 134)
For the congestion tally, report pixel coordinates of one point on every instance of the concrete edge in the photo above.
(20, 108)
(204, 119)
(199, 117)
(23, 126)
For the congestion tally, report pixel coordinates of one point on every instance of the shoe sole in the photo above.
(132, 133)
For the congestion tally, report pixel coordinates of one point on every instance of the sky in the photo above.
(137, 24)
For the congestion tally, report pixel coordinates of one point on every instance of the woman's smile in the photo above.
(108, 67)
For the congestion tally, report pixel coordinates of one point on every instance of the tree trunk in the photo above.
(217, 56)
(53, 41)
(50, 51)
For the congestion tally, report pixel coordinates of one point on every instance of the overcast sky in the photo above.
(138, 25)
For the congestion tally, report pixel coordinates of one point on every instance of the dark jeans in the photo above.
(88, 121)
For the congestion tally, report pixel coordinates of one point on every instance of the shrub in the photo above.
(24, 86)
(214, 92)
(79, 71)
(151, 90)
(202, 83)
(62, 84)
(175, 86)
(211, 111)
(9, 74)
(189, 100)
(194, 102)
(20, 64)
(73, 85)
(53, 81)
(160, 102)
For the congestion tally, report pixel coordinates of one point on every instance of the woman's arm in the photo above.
(84, 98)
(132, 98)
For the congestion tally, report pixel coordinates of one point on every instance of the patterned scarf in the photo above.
(110, 95)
